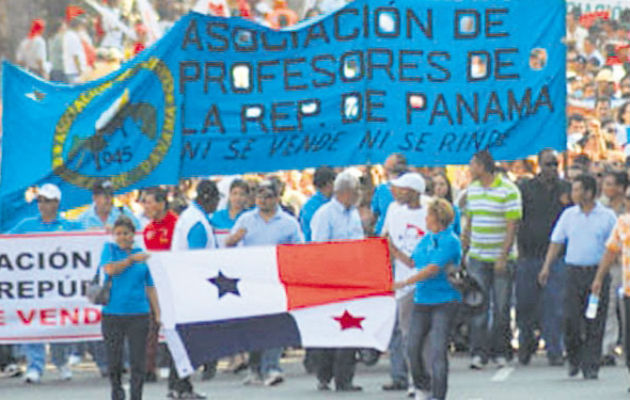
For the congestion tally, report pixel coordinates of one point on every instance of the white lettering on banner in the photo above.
(43, 280)
(586, 6)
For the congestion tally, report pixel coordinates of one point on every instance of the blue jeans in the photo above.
(430, 326)
(35, 354)
(397, 359)
(492, 340)
(540, 308)
(265, 361)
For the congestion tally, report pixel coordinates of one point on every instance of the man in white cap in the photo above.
(404, 226)
(48, 220)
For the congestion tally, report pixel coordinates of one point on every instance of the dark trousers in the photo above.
(488, 341)
(338, 363)
(133, 328)
(584, 336)
(6, 355)
(538, 307)
(428, 333)
(152, 345)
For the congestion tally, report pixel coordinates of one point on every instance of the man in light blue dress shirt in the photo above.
(584, 230)
(338, 220)
(102, 214)
(265, 225)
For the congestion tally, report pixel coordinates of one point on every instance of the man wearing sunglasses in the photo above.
(265, 225)
(544, 198)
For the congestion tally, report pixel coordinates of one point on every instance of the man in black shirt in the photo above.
(544, 198)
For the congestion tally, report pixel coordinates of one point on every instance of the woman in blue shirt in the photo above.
(126, 315)
(435, 300)
(223, 220)
(443, 189)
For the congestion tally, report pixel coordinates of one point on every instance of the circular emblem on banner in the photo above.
(116, 131)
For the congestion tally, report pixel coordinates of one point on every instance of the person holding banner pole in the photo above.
(193, 230)
(101, 215)
(405, 225)
(323, 180)
(126, 315)
(435, 302)
(48, 199)
(266, 224)
(338, 220)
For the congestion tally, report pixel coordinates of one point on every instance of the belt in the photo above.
(582, 266)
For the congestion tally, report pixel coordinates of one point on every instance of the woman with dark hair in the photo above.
(443, 189)
(223, 220)
(126, 315)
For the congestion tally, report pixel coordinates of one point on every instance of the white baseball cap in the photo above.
(410, 180)
(49, 191)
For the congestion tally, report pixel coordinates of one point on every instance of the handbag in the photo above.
(96, 293)
(473, 296)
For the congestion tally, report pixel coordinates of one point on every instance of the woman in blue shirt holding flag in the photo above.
(126, 315)
(435, 301)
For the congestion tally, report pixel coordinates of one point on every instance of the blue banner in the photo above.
(436, 80)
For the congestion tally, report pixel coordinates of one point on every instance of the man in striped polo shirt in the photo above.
(493, 210)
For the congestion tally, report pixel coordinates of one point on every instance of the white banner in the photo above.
(587, 6)
(43, 278)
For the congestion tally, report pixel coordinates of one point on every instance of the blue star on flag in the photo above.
(225, 285)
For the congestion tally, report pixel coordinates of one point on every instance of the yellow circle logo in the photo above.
(111, 120)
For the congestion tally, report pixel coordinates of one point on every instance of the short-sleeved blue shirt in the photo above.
(585, 235)
(90, 219)
(456, 225)
(441, 249)
(381, 200)
(306, 215)
(128, 294)
(36, 225)
(282, 228)
(221, 219)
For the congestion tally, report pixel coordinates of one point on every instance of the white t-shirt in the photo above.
(31, 53)
(72, 47)
(405, 227)
(113, 33)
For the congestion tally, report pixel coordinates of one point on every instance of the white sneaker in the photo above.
(65, 372)
(274, 378)
(422, 395)
(252, 379)
(476, 363)
(164, 372)
(73, 359)
(501, 362)
(32, 376)
(12, 371)
(411, 391)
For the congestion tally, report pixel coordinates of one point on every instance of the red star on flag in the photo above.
(348, 321)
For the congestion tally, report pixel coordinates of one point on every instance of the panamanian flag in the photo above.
(216, 303)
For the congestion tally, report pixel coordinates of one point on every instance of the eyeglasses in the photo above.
(551, 164)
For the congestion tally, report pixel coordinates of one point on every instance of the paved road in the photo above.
(536, 382)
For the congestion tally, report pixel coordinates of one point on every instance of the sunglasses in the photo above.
(45, 200)
(551, 164)
(265, 195)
